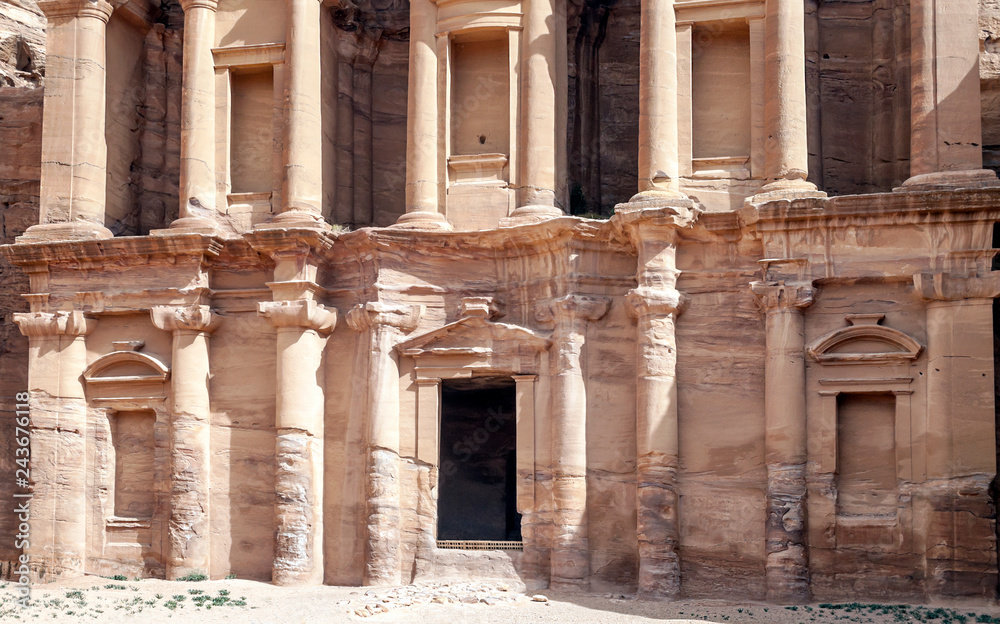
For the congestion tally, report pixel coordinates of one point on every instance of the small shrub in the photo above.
(194, 577)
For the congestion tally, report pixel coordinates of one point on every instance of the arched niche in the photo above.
(126, 375)
(127, 391)
(865, 439)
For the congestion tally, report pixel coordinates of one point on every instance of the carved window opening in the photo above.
(133, 451)
(477, 481)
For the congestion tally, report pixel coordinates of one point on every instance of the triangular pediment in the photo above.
(473, 335)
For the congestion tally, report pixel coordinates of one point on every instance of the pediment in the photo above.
(124, 366)
(864, 341)
(127, 379)
(473, 336)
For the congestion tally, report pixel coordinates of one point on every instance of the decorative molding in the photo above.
(55, 9)
(249, 55)
(98, 369)
(864, 328)
(772, 296)
(368, 315)
(945, 287)
(47, 324)
(303, 313)
(196, 318)
(474, 326)
(573, 308)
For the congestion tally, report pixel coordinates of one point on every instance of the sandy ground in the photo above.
(96, 599)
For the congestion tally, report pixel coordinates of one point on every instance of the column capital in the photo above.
(774, 296)
(43, 324)
(646, 301)
(573, 308)
(945, 287)
(100, 9)
(303, 313)
(193, 318)
(211, 5)
(374, 313)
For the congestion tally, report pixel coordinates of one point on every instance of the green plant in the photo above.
(194, 577)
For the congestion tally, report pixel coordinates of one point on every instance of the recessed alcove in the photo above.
(720, 84)
(252, 142)
(480, 87)
(134, 454)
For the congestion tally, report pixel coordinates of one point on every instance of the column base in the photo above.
(943, 180)
(531, 214)
(71, 231)
(190, 225)
(788, 188)
(422, 220)
(296, 219)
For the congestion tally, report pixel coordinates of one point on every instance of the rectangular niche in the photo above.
(251, 128)
(720, 89)
(133, 452)
(866, 457)
(480, 93)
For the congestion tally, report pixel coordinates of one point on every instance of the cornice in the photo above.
(45, 252)
(896, 208)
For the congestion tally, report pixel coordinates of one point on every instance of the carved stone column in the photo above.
(653, 229)
(657, 449)
(302, 180)
(383, 324)
(198, 170)
(57, 357)
(302, 327)
(960, 441)
(74, 150)
(571, 549)
(945, 121)
(787, 565)
(422, 157)
(188, 531)
(786, 150)
(537, 197)
(659, 170)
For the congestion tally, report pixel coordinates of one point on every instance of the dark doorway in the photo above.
(478, 485)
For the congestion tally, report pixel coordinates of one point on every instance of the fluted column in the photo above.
(657, 449)
(57, 357)
(422, 157)
(74, 149)
(571, 548)
(786, 566)
(537, 196)
(302, 178)
(302, 327)
(786, 149)
(198, 170)
(188, 532)
(383, 324)
(945, 119)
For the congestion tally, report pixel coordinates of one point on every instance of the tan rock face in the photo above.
(735, 384)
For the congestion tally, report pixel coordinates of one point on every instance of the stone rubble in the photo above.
(374, 602)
